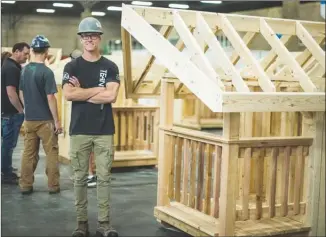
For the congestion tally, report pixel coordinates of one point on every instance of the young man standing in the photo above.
(12, 112)
(92, 83)
(37, 92)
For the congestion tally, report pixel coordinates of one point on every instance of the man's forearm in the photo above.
(53, 108)
(21, 97)
(104, 97)
(14, 100)
(80, 94)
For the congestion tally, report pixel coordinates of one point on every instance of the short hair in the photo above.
(20, 46)
(40, 50)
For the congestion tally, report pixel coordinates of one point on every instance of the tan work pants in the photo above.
(44, 130)
(81, 147)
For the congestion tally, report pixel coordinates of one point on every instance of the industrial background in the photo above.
(226, 142)
(22, 20)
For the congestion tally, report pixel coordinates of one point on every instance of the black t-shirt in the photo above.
(88, 118)
(37, 81)
(10, 74)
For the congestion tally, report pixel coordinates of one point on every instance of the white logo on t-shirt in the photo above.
(66, 76)
(103, 74)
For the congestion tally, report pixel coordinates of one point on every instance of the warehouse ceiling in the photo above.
(30, 7)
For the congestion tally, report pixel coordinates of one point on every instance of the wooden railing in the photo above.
(135, 127)
(271, 180)
(271, 173)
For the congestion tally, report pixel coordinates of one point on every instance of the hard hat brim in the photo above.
(90, 31)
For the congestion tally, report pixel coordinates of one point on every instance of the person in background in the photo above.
(92, 83)
(4, 56)
(12, 111)
(75, 54)
(37, 92)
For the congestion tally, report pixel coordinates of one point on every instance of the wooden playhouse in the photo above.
(264, 173)
(136, 125)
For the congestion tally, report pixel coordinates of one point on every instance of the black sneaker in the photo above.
(91, 181)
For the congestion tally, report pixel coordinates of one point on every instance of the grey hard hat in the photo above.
(90, 25)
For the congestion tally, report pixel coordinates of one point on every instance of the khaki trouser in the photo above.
(34, 131)
(81, 147)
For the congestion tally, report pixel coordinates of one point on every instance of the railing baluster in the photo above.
(217, 179)
(179, 155)
(298, 185)
(259, 168)
(272, 182)
(200, 175)
(192, 183)
(246, 184)
(285, 181)
(185, 179)
(208, 179)
(171, 157)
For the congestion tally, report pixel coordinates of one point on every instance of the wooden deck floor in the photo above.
(196, 223)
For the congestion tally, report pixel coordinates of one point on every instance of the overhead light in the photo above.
(113, 8)
(98, 13)
(57, 4)
(212, 2)
(9, 2)
(117, 41)
(40, 10)
(142, 3)
(183, 6)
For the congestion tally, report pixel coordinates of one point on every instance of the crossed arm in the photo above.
(97, 95)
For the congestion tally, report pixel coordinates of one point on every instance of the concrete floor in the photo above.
(41, 214)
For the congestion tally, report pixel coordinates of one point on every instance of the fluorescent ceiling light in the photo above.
(183, 6)
(45, 10)
(212, 2)
(113, 8)
(142, 3)
(98, 13)
(57, 4)
(9, 2)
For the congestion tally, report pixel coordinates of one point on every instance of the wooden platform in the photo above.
(201, 124)
(196, 223)
(134, 158)
(127, 158)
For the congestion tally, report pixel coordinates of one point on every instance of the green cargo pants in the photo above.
(80, 148)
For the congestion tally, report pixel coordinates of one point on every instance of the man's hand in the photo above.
(74, 81)
(58, 128)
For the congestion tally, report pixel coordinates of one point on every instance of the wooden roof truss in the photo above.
(283, 80)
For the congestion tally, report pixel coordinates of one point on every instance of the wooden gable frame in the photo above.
(281, 81)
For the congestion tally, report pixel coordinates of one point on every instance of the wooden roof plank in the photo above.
(237, 43)
(197, 55)
(311, 44)
(208, 36)
(286, 56)
(170, 57)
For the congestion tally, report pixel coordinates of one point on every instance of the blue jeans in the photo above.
(10, 126)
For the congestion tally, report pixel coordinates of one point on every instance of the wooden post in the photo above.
(166, 120)
(229, 177)
(314, 127)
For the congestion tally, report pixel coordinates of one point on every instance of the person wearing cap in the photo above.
(37, 92)
(91, 82)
